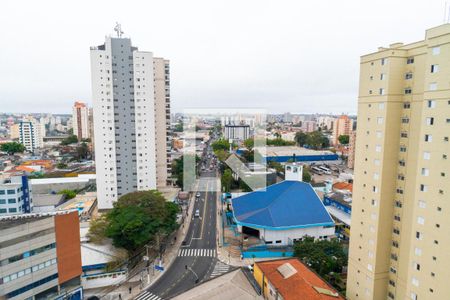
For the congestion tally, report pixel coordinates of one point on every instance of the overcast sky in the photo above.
(297, 56)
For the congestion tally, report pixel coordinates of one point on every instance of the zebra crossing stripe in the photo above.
(197, 252)
(147, 296)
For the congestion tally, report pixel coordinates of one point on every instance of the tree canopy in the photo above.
(279, 142)
(12, 148)
(70, 194)
(71, 139)
(226, 180)
(344, 139)
(178, 169)
(315, 140)
(137, 218)
(221, 144)
(323, 256)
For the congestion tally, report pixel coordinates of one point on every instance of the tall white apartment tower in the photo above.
(124, 104)
(30, 135)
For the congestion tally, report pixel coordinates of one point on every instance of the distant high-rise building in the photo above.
(342, 126)
(91, 131)
(309, 126)
(30, 135)
(80, 120)
(130, 92)
(399, 245)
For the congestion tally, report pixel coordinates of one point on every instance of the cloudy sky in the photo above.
(297, 56)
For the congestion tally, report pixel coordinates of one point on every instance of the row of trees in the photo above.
(12, 148)
(137, 219)
(315, 140)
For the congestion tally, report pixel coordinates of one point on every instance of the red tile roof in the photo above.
(343, 186)
(300, 286)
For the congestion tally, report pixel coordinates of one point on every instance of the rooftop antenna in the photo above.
(118, 29)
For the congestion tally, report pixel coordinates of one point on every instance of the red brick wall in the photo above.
(67, 231)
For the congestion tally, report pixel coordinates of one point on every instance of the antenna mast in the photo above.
(118, 30)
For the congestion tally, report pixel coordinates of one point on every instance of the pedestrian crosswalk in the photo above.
(146, 295)
(219, 269)
(197, 252)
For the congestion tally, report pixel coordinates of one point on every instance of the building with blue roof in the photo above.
(283, 212)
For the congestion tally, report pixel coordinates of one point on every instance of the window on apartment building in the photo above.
(408, 76)
(393, 270)
(399, 191)
(381, 105)
(425, 172)
(402, 163)
(382, 76)
(432, 86)
(402, 148)
(436, 50)
(428, 138)
(426, 155)
(418, 251)
(423, 188)
(419, 235)
(421, 220)
(396, 231)
(407, 105)
(410, 60)
(431, 103)
(390, 295)
(380, 120)
(374, 202)
(408, 91)
(384, 61)
(371, 77)
(415, 281)
(398, 204)
(434, 68)
(381, 91)
(430, 121)
(378, 148)
(404, 134)
(405, 120)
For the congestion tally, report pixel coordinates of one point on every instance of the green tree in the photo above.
(70, 194)
(178, 127)
(12, 148)
(306, 176)
(317, 140)
(344, 139)
(249, 144)
(71, 139)
(221, 144)
(279, 142)
(323, 256)
(301, 138)
(139, 218)
(82, 151)
(227, 180)
(61, 165)
(276, 165)
(248, 156)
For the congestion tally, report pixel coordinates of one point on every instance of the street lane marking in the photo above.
(197, 252)
(219, 268)
(147, 296)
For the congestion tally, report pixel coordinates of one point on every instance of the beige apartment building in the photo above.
(400, 241)
(342, 126)
(161, 69)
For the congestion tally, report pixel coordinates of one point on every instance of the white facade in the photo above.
(237, 132)
(15, 198)
(30, 135)
(124, 119)
(80, 120)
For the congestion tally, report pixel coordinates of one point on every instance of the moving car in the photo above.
(197, 213)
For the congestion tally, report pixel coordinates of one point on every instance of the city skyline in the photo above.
(247, 60)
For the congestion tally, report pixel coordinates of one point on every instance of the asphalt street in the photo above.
(197, 258)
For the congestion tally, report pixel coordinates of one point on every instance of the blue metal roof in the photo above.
(288, 204)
